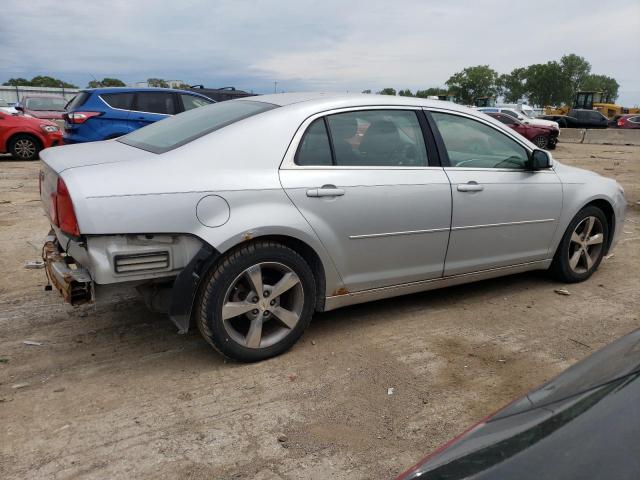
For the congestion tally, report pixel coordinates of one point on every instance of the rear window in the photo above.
(43, 104)
(78, 100)
(181, 129)
(122, 101)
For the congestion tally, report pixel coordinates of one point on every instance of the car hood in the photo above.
(542, 123)
(88, 154)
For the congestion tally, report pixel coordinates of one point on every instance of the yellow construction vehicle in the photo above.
(592, 100)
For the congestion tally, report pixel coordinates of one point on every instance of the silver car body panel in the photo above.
(369, 243)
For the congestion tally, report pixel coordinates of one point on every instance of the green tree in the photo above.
(546, 84)
(367, 91)
(431, 92)
(513, 85)
(16, 82)
(405, 93)
(473, 82)
(387, 91)
(106, 82)
(575, 70)
(157, 82)
(181, 86)
(39, 81)
(601, 83)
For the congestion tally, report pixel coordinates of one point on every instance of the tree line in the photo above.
(46, 81)
(551, 83)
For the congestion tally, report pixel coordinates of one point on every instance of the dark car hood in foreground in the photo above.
(584, 424)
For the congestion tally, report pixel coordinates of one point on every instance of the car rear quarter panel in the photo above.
(160, 193)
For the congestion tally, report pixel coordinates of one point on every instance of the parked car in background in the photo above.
(522, 117)
(24, 137)
(580, 118)
(6, 108)
(105, 113)
(629, 120)
(584, 424)
(542, 136)
(221, 94)
(41, 106)
(251, 214)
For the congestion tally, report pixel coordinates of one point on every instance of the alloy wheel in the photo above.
(262, 305)
(586, 245)
(25, 148)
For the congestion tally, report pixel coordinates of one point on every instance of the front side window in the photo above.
(473, 144)
(191, 101)
(122, 101)
(155, 102)
(160, 137)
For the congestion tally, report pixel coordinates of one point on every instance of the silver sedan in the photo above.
(245, 217)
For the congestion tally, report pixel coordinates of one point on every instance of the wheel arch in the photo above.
(609, 213)
(25, 134)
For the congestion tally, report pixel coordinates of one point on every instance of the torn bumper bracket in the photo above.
(69, 278)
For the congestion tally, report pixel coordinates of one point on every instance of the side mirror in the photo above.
(540, 160)
(19, 108)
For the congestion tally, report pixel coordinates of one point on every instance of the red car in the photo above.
(630, 120)
(46, 107)
(24, 136)
(542, 137)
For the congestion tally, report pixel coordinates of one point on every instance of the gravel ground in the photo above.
(113, 392)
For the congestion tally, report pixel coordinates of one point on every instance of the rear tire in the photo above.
(24, 147)
(541, 141)
(256, 302)
(582, 247)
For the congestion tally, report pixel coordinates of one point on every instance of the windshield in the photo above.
(181, 129)
(46, 103)
(528, 114)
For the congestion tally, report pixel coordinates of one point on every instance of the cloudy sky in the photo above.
(313, 45)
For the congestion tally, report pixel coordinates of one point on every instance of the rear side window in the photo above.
(510, 113)
(123, 101)
(315, 148)
(78, 100)
(189, 102)
(160, 137)
(155, 102)
(505, 119)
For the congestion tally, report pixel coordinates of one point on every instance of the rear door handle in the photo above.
(470, 187)
(325, 191)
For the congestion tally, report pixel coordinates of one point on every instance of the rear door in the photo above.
(503, 213)
(149, 107)
(115, 120)
(373, 192)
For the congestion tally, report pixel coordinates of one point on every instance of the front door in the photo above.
(362, 180)
(503, 213)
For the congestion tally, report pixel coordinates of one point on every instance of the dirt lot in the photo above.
(113, 391)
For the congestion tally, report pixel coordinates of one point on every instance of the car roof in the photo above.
(137, 89)
(328, 100)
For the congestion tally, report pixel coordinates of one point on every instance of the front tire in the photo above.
(24, 147)
(256, 302)
(541, 141)
(582, 247)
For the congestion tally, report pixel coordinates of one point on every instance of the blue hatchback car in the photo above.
(104, 113)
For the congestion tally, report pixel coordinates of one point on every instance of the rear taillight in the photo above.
(62, 213)
(621, 122)
(80, 117)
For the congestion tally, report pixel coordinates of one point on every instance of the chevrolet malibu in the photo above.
(245, 217)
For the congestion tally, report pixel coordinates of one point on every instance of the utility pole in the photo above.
(275, 86)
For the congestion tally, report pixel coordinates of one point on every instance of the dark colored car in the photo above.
(541, 136)
(24, 136)
(584, 424)
(630, 120)
(41, 106)
(580, 118)
(104, 113)
(221, 94)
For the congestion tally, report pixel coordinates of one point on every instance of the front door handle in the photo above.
(470, 187)
(325, 191)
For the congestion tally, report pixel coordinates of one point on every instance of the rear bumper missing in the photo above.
(68, 277)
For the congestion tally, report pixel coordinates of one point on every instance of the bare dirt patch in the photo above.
(114, 392)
